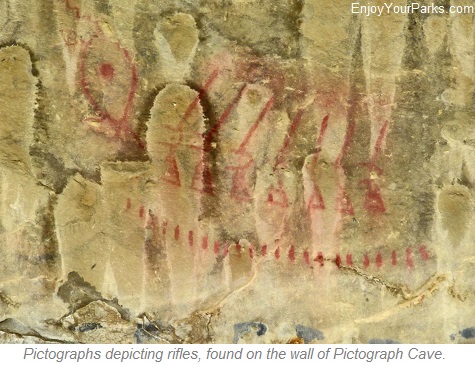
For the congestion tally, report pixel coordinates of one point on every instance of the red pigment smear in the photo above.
(344, 204)
(190, 238)
(278, 196)
(177, 232)
(338, 260)
(316, 200)
(373, 202)
(410, 263)
(264, 250)
(424, 254)
(321, 136)
(292, 253)
(119, 124)
(251, 252)
(350, 131)
(394, 258)
(216, 247)
(141, 211)
(197, 99)
(172, 175)
(238, 247)
(349, 259)
(277, 253)
(164, 227)
(208, 138)
(75, 8)
(320, 258)
(252, 130)
(379, 142)
(107, 71)
(366, 261)
(240, 189)
(129, 204)
(226, 249)
(204, 243)
(306, 257)
(288, 138)
(152, 221)
(379, 260)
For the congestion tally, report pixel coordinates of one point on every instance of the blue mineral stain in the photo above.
(145, 332)
(381, 341)
(468, 332)
(308, 334)
(240, 329)
(85, 327)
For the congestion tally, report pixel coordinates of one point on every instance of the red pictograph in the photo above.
(277, 195)
(316, 199)
(240, 189)
(108, 79)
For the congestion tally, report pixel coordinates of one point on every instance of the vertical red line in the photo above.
(277, 253)
(216, 247)
(292, 254)
(190, 238)
(306, 257)
(409, 262)
(264, 250)
(320, 258)
(177, 232)
(142, 211)
(204, 244)
(129, 204)
(394, 258)
(338, 260)
(366, 261)
(424, 254)
(349, 259)
(379, 260)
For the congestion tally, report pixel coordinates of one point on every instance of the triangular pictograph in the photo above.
(316, 200)
(172, 175)
(240, 188)
(373, 202)
(277, 196)
(344, 204)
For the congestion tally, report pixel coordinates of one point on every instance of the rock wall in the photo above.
(236, 171)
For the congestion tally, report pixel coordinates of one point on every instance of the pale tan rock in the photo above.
(235, 171)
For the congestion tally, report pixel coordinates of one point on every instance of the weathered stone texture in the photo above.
(235, 171)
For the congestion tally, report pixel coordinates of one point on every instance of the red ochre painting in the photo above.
(236, 171)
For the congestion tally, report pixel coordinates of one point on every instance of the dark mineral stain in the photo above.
(156, 331)
(240, 329)
(468, 332)
(78, 293)
(383, 341)
(308, 334)
(85, 327)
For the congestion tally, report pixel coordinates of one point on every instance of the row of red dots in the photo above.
(291, 254)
